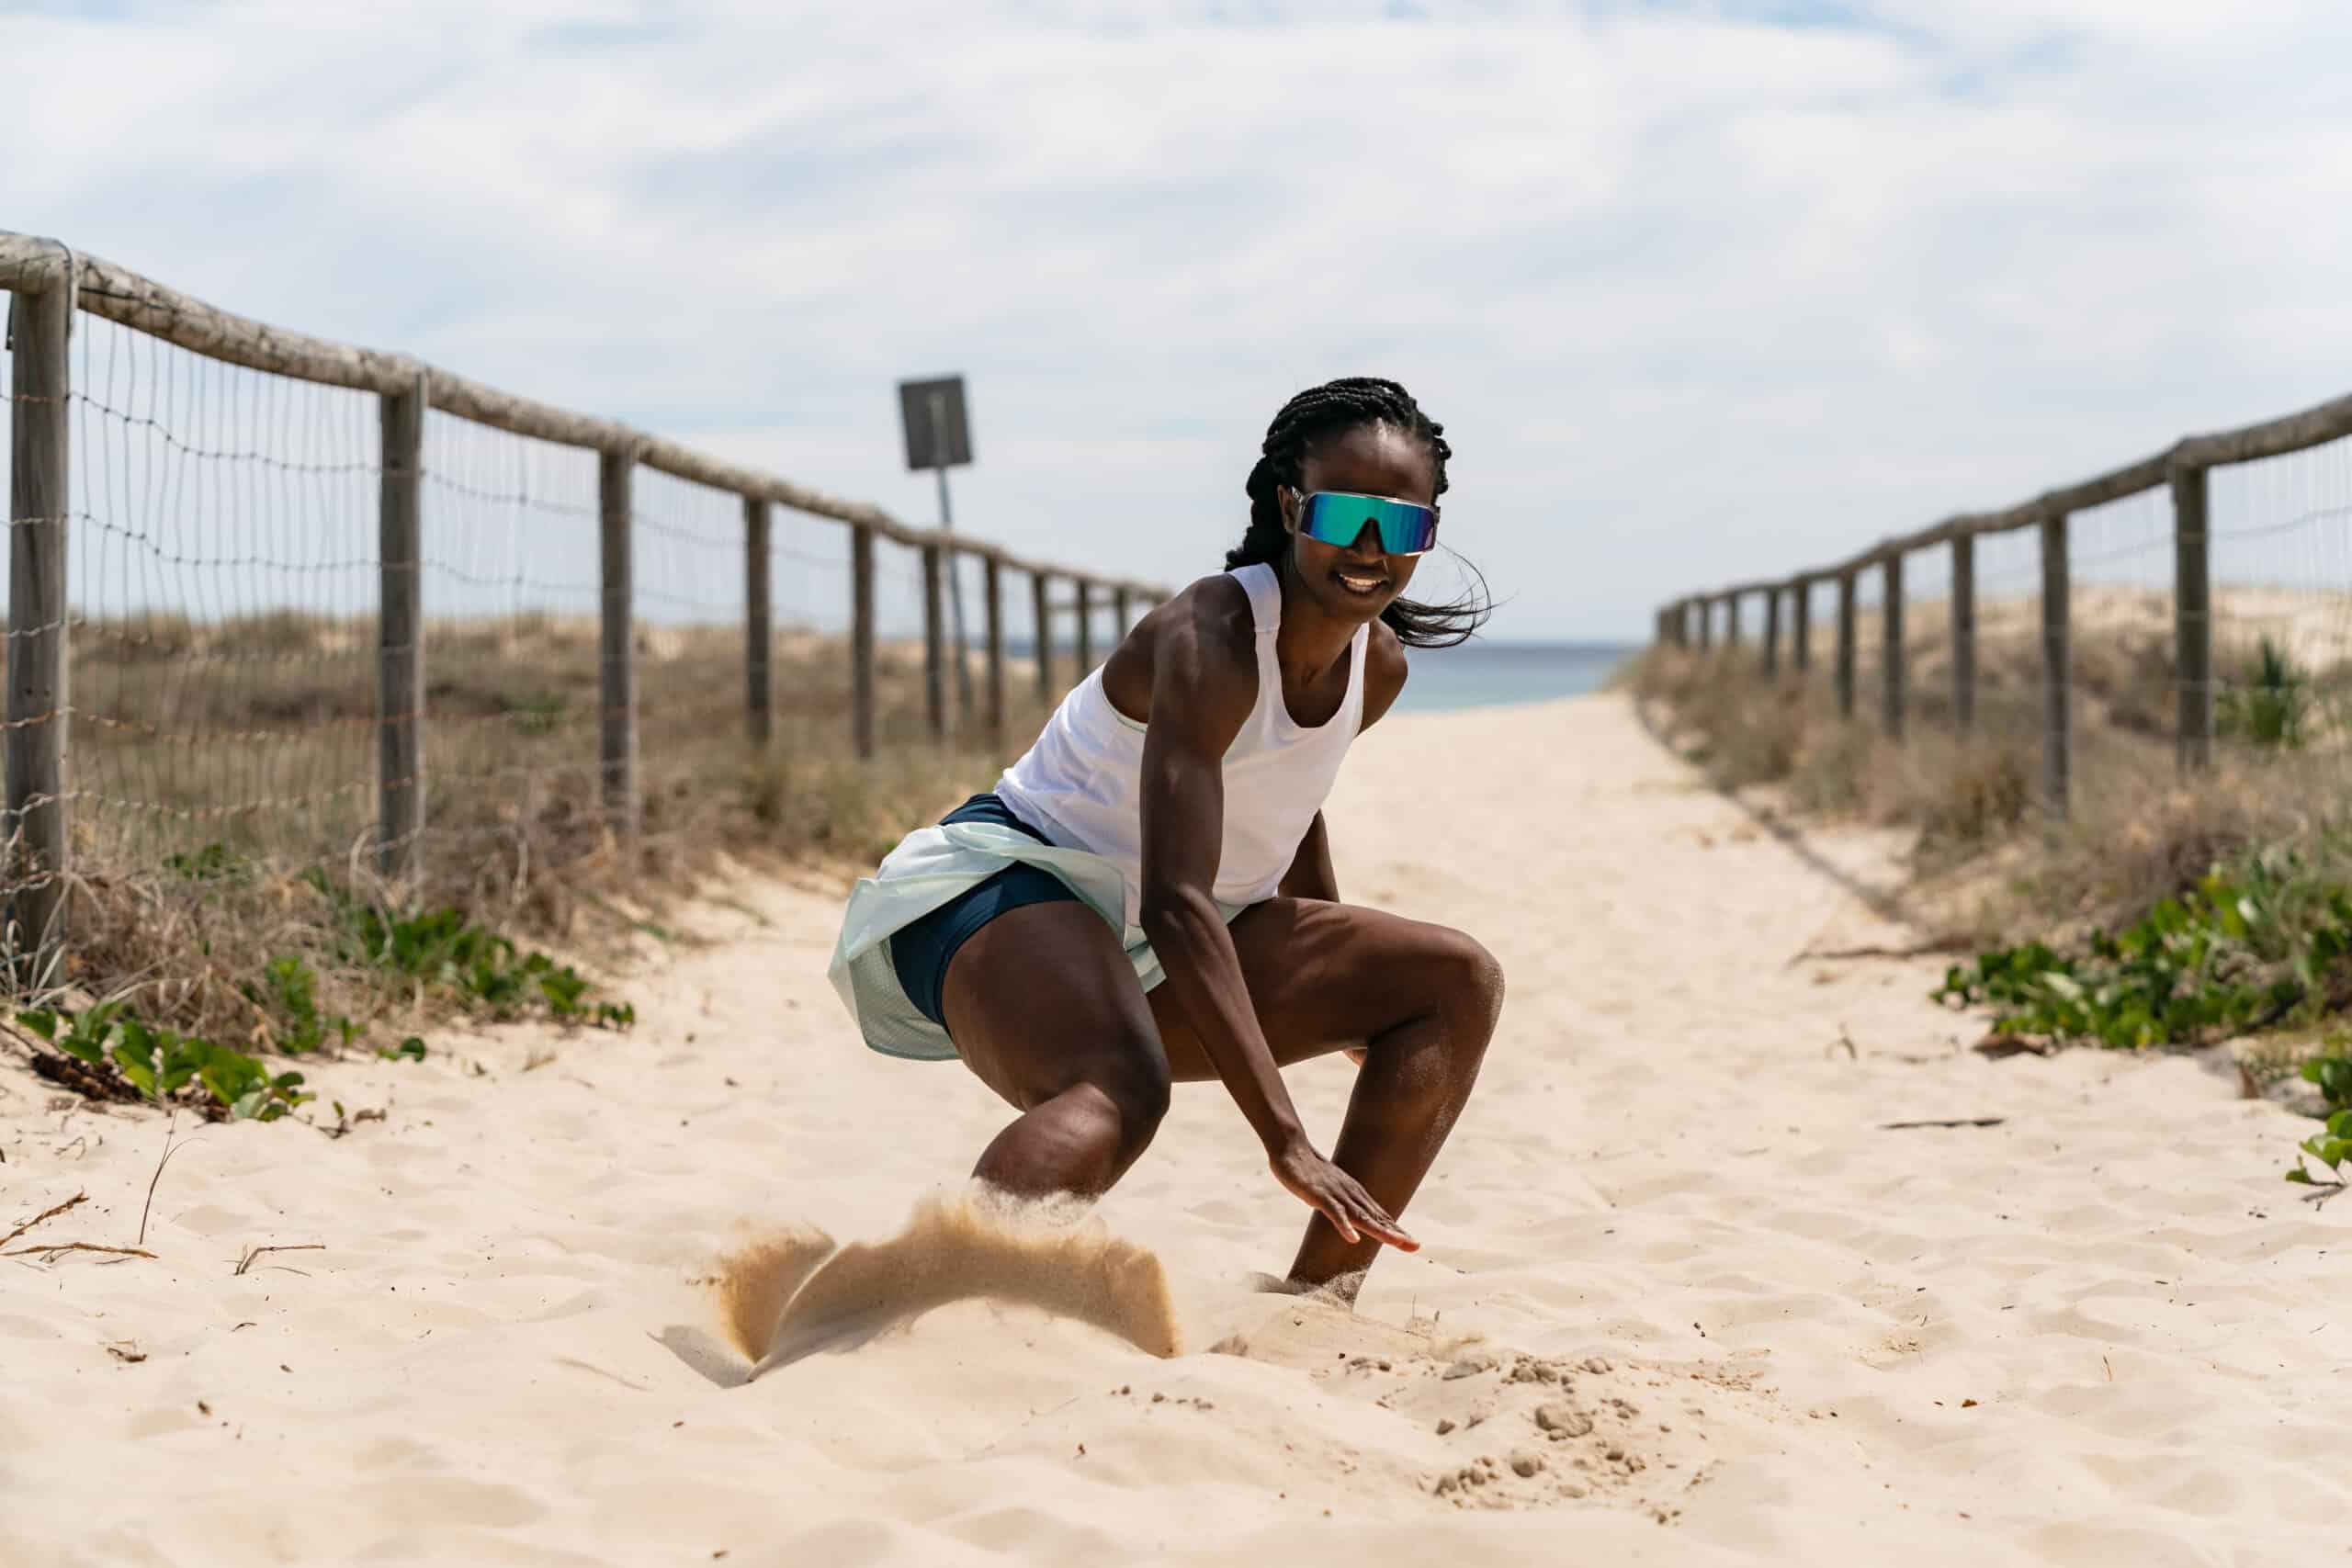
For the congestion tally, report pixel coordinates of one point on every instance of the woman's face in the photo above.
(1356, 583)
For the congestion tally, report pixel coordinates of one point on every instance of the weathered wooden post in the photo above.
(1119, 622)
(617, 664)
(1846, 636)
(1085, 630)
(992, 589)
(759, 627)
(1706, 608)
(1890, 623)
(934, 647)
(1801, 624)
(2193, 617)
(2057, 670)
(1963, 633)
(1771, 633)
(399, 637)
(1041, 609)
(39, 435)
(1731, 620)
(861, 638)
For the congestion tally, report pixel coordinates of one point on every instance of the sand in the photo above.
(1683, 1296)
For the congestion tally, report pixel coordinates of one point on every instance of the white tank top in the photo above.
(1080, 784)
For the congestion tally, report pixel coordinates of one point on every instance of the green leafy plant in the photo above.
(166, 1065)
(442, 950)
(410, 1050)
(2245, 948)
(287, 993)
(2332, 1146)
(2274, 705)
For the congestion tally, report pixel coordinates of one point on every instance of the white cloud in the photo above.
(1698, 294)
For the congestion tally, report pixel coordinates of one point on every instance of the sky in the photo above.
(1701, 292)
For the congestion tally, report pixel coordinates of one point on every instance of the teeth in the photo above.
(1362, 584)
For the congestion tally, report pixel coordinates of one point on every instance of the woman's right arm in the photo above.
(1204, 683)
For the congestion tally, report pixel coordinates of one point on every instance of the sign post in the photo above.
(939, 437)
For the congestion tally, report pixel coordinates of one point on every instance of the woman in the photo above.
(1148, 896)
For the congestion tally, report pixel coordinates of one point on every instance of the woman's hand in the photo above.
(1322, 1186)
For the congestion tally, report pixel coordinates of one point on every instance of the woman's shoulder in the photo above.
(1214, 610)
(1205, 633)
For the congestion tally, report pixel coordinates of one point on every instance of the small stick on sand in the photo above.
(44, 1214)
(1961, 1122)
(247, 1260)
(78, 1247)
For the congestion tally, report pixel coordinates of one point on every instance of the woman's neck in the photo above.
(1310, 642)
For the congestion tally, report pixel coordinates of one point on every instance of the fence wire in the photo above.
(2282, 543)
(222, 609)
(510, 583)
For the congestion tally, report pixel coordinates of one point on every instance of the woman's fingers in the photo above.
(1336, 1210)
(1373, 1220)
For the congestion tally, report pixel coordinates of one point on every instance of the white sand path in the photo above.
(2101, 1331)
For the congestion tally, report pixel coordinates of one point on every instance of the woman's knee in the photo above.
(1134, 1081)
(1471, 981)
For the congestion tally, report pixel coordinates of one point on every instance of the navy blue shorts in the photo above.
(920, 953)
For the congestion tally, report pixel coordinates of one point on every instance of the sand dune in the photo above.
(1683, 1296)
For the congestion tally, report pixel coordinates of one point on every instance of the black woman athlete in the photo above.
(1148, 896)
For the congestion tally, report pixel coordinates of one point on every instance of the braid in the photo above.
(1306, 422)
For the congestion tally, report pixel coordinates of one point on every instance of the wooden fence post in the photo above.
(618, 663)
(399, 637)
(39, 697)
(992, 588)
(2193, 617)
(2057, 670)
(1706, 608)
(1846, 635)
(861, 638)
(758, 626)
(935, 648)
(1731, 620)
(1118, 615)
(1771, 633)
(1891, 622)
(1041, 608)
(1085, 630)
(1801, 624)
(1963, 634)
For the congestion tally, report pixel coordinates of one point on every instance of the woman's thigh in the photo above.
(1325, 976)
(1043, 998)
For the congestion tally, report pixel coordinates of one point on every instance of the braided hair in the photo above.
(1304, 423)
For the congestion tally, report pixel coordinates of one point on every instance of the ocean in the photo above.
(1491, 674)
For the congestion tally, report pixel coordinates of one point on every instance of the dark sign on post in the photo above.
(938, 437)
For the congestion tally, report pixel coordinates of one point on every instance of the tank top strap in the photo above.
(1359, 650)
(1265, 590)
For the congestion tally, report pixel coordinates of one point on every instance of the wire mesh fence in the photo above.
(2282, 599)
(2197, 601)
(510, 588)
(229, 527)
(223, 585)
